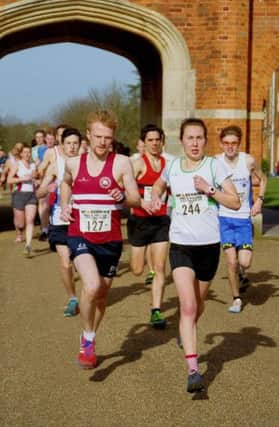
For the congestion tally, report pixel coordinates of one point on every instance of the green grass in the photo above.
(272, 193)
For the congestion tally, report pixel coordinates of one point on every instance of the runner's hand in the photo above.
(156, 204)
(147, 206)
(201, 184)
(257, 207)
(26, 178)
(117, 194)
(66, 214)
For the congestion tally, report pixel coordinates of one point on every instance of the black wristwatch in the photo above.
(211, 191)
(261, 198)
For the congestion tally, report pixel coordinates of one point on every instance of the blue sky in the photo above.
(35, 81)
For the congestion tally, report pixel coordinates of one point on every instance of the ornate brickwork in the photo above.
(215, 59)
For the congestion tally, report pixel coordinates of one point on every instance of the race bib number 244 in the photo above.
(191, 204)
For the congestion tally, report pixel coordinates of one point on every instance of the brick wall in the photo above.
(234, 48)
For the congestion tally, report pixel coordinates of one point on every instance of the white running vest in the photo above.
(194, 219)
(23, 171)
(241, 178)
(55, 213)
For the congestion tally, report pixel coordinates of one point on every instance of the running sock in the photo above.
(89, 336)
(45, 230)
(192, 363)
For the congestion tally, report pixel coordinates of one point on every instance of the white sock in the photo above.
(89, 336)
(45, 230)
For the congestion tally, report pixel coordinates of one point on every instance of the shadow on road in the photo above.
(234, 345)
(141, 337)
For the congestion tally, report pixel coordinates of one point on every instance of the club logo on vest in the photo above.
(105, 182)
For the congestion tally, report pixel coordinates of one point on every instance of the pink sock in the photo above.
(192, 363)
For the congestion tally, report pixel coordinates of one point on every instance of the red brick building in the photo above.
(217, 60)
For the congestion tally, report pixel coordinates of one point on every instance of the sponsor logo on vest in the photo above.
(83, 179)
(105, 182)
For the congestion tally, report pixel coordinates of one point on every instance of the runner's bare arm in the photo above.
(228, 197)
(132, 196)
(158, 189)
(49, 157)
(13, 179)
(5, 171)
(256, 172)
(66, 191)
(138, 167)
(48, 180)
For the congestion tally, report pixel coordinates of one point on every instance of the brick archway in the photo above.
(168, 92)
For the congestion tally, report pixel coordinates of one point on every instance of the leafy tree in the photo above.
(123, 100)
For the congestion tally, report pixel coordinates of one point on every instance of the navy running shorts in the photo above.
(106, 255)
(57, 235)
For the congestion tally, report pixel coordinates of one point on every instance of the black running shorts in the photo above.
(143, 231)
(202, 259)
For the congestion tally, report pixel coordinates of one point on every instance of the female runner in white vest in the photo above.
(24, 200)
(197, 184)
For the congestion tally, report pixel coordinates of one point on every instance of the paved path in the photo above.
(140, 379)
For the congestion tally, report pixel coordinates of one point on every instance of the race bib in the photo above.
(147, 194)
(191, 203)
(94, 221)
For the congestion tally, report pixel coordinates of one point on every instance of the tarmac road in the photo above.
(140, 378)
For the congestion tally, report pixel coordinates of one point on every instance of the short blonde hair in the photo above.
(106, 117)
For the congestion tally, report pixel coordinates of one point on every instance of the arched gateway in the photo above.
(143, 36)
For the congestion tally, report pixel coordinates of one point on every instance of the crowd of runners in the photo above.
(183, 208)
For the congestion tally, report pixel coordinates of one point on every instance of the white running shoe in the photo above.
(236, 307)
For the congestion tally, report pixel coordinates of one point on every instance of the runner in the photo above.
(98, 182)
(47, 156)
(197, 184)
(24, 201)
(236, 226)
(58, 229)
(150, 228)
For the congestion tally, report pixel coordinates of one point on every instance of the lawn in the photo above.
(272, 193)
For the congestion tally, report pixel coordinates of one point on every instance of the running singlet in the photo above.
(55, 210)
(240, 176)
(194, 219)
(23, 171)
(97, 216)
(145, 186)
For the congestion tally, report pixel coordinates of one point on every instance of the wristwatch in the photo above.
(211, 191)
(261, 198)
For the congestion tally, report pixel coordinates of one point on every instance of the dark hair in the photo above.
(39, 131)
(69, 132)
(231, 130)
(192, 121)
(150, 127)
(61, 126)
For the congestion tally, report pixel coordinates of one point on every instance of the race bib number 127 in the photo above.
(93, 221)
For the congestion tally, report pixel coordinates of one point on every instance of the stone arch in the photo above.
(144, 36)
